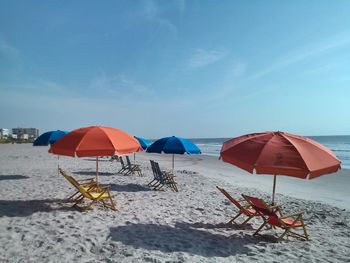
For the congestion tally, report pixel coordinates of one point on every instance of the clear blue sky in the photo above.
(185, 68)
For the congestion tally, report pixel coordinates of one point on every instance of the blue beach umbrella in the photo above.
(143, 142)
(49, 137)
(174, 145)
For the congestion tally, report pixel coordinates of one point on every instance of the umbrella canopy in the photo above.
(96, 141)
(280, 153)
(143, 142)
(49, 137)
(174, 145)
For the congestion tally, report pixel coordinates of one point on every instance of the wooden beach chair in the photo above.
(244, 208)
(166, 178)
(273, 216)
(156, 180)
(87, 184)
(133, 167)
(124, 170)
(159, 178)
(103, 196)
(94, 193)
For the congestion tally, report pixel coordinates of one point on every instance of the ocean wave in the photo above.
(340, 150)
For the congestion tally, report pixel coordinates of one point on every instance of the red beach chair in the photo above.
(244, 208)
(273, 216)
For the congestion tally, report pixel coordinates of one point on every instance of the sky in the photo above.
(195, 69)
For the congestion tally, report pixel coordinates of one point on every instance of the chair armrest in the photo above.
(105, 187)
(88, 179)
(293, 215)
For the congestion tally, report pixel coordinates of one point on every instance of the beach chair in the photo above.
(124, 169)
(273, 216)
(165, 178)
(94, 193)
(244, 208)
(133, 167)
(87, 184)
(156, 180)
(103, 196)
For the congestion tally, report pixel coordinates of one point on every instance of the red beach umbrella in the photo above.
(96, 141)
(280, 153)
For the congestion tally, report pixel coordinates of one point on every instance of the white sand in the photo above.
(37, 225)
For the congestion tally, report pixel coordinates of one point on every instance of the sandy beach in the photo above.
(38, 225)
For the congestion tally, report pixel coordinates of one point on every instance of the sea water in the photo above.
(340, 145)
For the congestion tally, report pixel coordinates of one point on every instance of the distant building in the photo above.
(5, 133)
(25, 133)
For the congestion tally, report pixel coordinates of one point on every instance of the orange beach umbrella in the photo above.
(280, 153)
(96, 141)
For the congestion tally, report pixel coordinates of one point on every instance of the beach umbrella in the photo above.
(143, 142)
(280, 153)
(49, 137)
(95, 141)
(173, 145)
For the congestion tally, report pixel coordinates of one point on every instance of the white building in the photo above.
(5, 133)
(25, 133)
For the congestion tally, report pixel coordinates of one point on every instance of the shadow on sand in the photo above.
(93, 173)
(216, 226)
(183, 238)
(13, 177)
(22, 208)
(129, 188)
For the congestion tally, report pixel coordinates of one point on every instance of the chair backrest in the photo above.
(260, 206)
(121, 161)
(155, 174)
(64, 174)
(158, 171)
(229, 197)
(128, 161)
(75, 184)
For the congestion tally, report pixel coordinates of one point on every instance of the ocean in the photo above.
(340, 145)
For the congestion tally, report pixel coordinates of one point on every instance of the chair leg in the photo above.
(153, 183)
(174, 186)
(258, 230)
(160, 186)
(284, 233)
(71, 197)
(233, 219)
(112, 204)
(247, 220)
(305, 232)
(90, 205)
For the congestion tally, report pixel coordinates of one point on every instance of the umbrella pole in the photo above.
(274, 189)
(173, 163)
(97, 170)
(134, 158)
(58, 165)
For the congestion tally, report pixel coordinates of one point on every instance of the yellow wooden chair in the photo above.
(87, 184)
(97, 195)
(90, 191)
